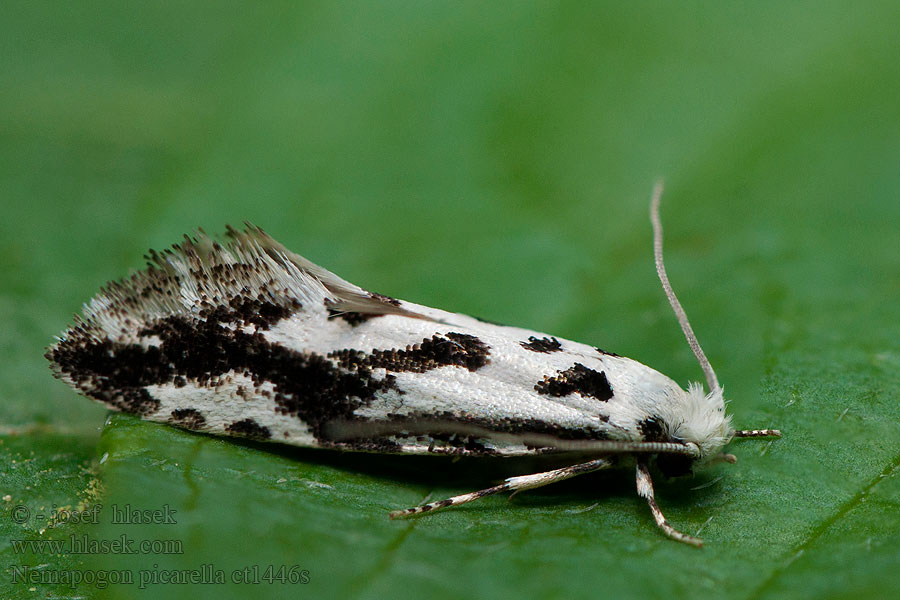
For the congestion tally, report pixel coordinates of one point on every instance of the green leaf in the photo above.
(494, 159)
(46, 480)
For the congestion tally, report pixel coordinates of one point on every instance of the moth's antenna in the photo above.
(670, 294)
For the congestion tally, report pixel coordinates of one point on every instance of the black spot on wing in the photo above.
(578, 379)
(454, 443)
(547, 344)
(451, 349)
(652, 429)
(307, 386)
(313, 388)
(244, 310)
(385, 299)
(189, 418)
(352, 318)
(605, 353)
(380, 445)
(137, 401)
(250, 429)
(111, 373)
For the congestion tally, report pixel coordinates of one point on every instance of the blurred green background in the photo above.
(494, 159)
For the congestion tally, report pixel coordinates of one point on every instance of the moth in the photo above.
(245, 338)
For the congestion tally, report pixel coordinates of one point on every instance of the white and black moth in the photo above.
(249, 339)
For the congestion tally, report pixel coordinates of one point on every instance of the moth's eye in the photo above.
(675, 465)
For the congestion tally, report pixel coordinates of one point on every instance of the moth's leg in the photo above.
(513, 484)
(723, 457)
(746, 433)
(645, 490)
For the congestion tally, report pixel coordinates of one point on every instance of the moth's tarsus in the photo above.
(725, 457)
(645, 490)
(754, 433)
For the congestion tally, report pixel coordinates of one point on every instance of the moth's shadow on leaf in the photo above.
(474, 473)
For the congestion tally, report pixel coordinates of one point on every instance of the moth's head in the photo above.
(701, 422)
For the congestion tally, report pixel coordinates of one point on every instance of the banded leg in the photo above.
(513, 484)
(645, 490)
(751, 433)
